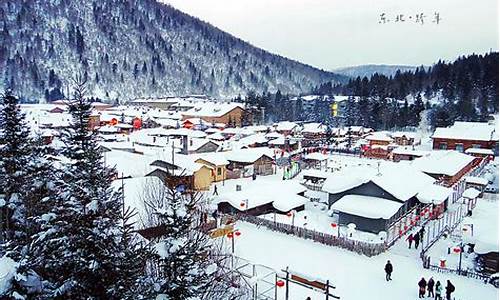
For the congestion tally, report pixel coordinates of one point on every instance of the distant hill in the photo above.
(369, 70)
(134, 48)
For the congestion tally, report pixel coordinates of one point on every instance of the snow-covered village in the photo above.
(189, 164)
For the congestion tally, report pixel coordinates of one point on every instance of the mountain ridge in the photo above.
(134, 49)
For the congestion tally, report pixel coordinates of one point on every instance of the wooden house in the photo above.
(465, 135)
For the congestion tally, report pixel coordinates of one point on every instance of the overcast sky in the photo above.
(338, 33)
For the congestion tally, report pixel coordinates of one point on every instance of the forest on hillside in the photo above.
(465, 90)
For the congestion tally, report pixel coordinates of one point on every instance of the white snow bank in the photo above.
(8, 269)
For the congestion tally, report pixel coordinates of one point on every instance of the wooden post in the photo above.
(287, 279)
(327, 289)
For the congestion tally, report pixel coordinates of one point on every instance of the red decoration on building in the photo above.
(237, 233)
(405, 227)
(280, 283)
(289, 214)
(456, 250)
(334, 225)
(230, 235)
(242, 204)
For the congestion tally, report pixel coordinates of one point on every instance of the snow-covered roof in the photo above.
(408, 150)
(366, 206)
(248, 155)
(282, 141)
(128, 164)
(400, 134)
(215, 158)
(285, 126)
(400, 180)
(262, 192)
(216, 136)
(212, 109)
(485, 221)
(313, 128)
(476, 180)
(379, 136)
(434, 194)
(316, 156)
(273, 135)
(471, 193)
(443, 162)
(467, 131)
(479, 151)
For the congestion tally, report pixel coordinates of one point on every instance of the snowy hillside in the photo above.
(131, 49)
(369, 70)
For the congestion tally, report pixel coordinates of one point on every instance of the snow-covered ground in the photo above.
(355, 276)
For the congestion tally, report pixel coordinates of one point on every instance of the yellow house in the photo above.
(216, 162)
(183, 172)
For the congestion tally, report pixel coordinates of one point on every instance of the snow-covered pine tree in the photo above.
(189, 264)
(28, 175)
(14, 153)
(80, 245)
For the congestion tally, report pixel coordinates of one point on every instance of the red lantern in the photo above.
(456, 250)
(237, 233)
(422, 213)
(405, 227)
(230, 235)
(114, 121)
(400, 232)
(426, 209)
(242, 204)
(280, 283)
(334, 225)
(289, 213)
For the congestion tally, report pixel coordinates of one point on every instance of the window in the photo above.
(443, 146)
(476, 146)
(219, 171)
(459, 147)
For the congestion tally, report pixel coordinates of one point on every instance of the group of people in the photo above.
(416, 237)
(434, 289)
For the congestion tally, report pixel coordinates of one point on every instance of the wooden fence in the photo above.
(470, 274)
(360, 247)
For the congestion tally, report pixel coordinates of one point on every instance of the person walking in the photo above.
(416, 237)
(450, 288)
(422, 284)
(410, 240)
(421, 234)
(439, 290)
(430, 287)
(388, 270)
(215, 190)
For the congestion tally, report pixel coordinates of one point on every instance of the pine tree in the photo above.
(14, 173)
(28, 183)
(189, 263)
(80, 244)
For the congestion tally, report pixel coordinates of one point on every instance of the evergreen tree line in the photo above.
(466, 90)
(67, 230)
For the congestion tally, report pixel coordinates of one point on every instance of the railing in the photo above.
(360, 247)
(466, 273)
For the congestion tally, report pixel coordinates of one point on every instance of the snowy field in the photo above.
(355, 276)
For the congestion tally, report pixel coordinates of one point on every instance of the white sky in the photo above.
(338, 33)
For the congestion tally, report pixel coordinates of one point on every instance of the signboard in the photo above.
(221, 231)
